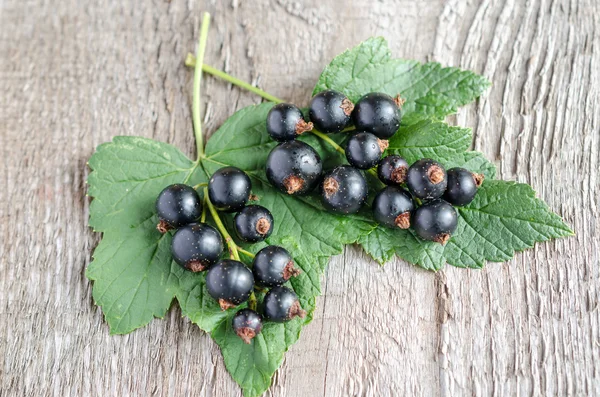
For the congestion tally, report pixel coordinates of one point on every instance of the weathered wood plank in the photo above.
(73, 74)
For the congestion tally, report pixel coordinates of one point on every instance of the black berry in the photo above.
(273, 266)
(462, 186)
(330, 111)
(285, 122)
(281, 304)
(177, 205)
(377, 113)
(392, 170)
(229, 189)
(435, 221)
(197, 246)
(294, 167)
(426, 179)
(364, 150)
(392, 207)
(247, 324)
(344, 190)
(253, 223)
(229, 282)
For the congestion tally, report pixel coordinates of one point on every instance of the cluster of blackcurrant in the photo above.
(413, 195)
(197, 246)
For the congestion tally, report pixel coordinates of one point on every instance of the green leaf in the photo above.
(503, 218)
(135, 279)
(430, 90)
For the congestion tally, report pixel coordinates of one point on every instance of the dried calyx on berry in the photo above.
(177, 205)
(364, 150)
(392, 207)
(435, 221)
(281, 304)
(344, 190)
(330, 111)
(294, 167)
(247, 324)
(253, 223)
(377, 113)
(196, 246)
(230, 282)
(285, 122)
(273, 266)
(392, 170)
(426, 179)
(462, 186)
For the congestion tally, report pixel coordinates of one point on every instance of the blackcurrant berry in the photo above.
(344, 190)
(229, 189)
(364, 150)
(330, 111)
(377, 113)
(392, 207)
(435, 221)
(177, 205)
(273, 266)
(462, 186)
(285, 122)
(230, 283)
(253, 223)
(426, 179)
(392, 170)
(281, 304)
(247, 324)
(196, 246)
(294, 167)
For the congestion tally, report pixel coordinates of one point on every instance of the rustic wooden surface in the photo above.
(75, 73)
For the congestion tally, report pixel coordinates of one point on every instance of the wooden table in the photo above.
(73, 74)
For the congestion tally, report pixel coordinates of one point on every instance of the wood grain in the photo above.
(73, 74)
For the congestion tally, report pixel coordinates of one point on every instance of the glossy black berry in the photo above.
(344, 190)
(285, 122)
(197, 246)
(330, 111)
(281, 304)
(435, 221)
(392, 207)
(294, 167)
(377, 113)
(426, 179)
(230, 283)
(392, 170)
(462, 186)
(177, 205)
(247, 324)
(273, 266)
(364, 150)
(229, 189)
(253, 223)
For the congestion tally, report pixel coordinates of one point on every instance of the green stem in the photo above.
(330, 141)
(191, 61)
(197, 80)
(203, 217)
(196, 187)
(247, 253)
(252, 302)
(231, 245)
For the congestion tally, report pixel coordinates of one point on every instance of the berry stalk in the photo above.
(197, 80)
(231, 245)
(190, 61)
